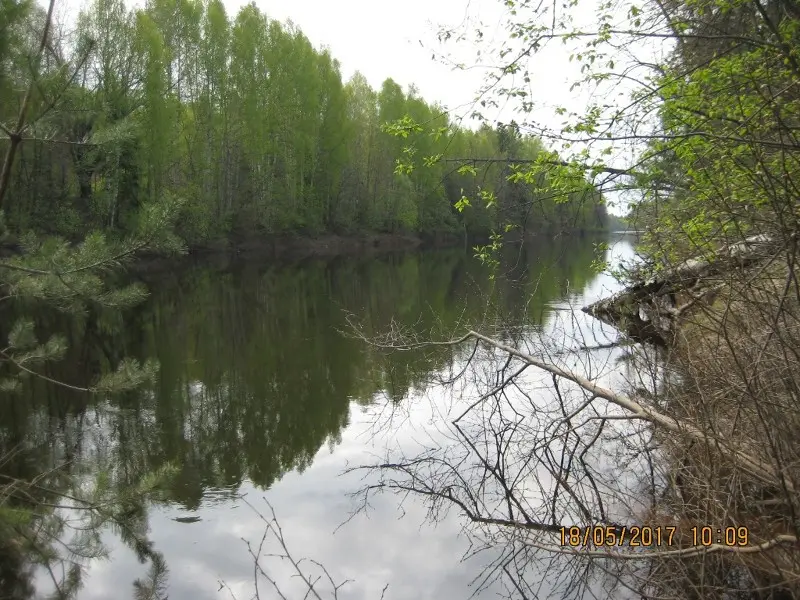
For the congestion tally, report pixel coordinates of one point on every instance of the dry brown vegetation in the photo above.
(737, 357)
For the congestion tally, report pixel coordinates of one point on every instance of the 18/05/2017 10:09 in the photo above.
(656, 536)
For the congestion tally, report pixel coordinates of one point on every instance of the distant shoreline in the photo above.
(297, 248)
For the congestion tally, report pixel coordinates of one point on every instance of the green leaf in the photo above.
(467, 170)
(9, 385)
(462, 203)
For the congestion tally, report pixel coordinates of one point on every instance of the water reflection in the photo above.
(260, 390)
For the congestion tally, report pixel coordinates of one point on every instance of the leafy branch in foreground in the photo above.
(56, 521)
(76, 279)
(525, 187)
(40, 514)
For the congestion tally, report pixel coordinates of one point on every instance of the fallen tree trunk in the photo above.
(649, 310)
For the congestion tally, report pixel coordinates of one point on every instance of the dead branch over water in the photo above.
(539, 444)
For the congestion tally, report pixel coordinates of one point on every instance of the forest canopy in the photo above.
(250, 127)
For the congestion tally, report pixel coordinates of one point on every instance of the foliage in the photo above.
(55, 519)
(254, 131)
(507, 180)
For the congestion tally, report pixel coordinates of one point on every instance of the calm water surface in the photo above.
(262, 393)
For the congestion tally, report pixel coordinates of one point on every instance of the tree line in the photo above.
(248, 126)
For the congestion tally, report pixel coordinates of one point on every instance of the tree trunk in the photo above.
(647, 310)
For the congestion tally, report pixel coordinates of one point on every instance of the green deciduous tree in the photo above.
(245, 121)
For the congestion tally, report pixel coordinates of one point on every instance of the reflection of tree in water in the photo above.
(532, 442)
(539, 271)
(256, 374)
(54, 515)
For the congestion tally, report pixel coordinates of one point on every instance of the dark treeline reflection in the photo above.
(256, 374)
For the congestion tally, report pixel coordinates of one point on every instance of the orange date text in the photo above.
(599, 535)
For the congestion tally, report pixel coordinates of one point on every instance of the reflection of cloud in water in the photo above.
(417, 561)
(238, 408)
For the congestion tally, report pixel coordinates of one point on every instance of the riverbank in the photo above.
(294, 248)
(726, 403)
(297, 248)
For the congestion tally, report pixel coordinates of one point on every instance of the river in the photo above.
(265, 395)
